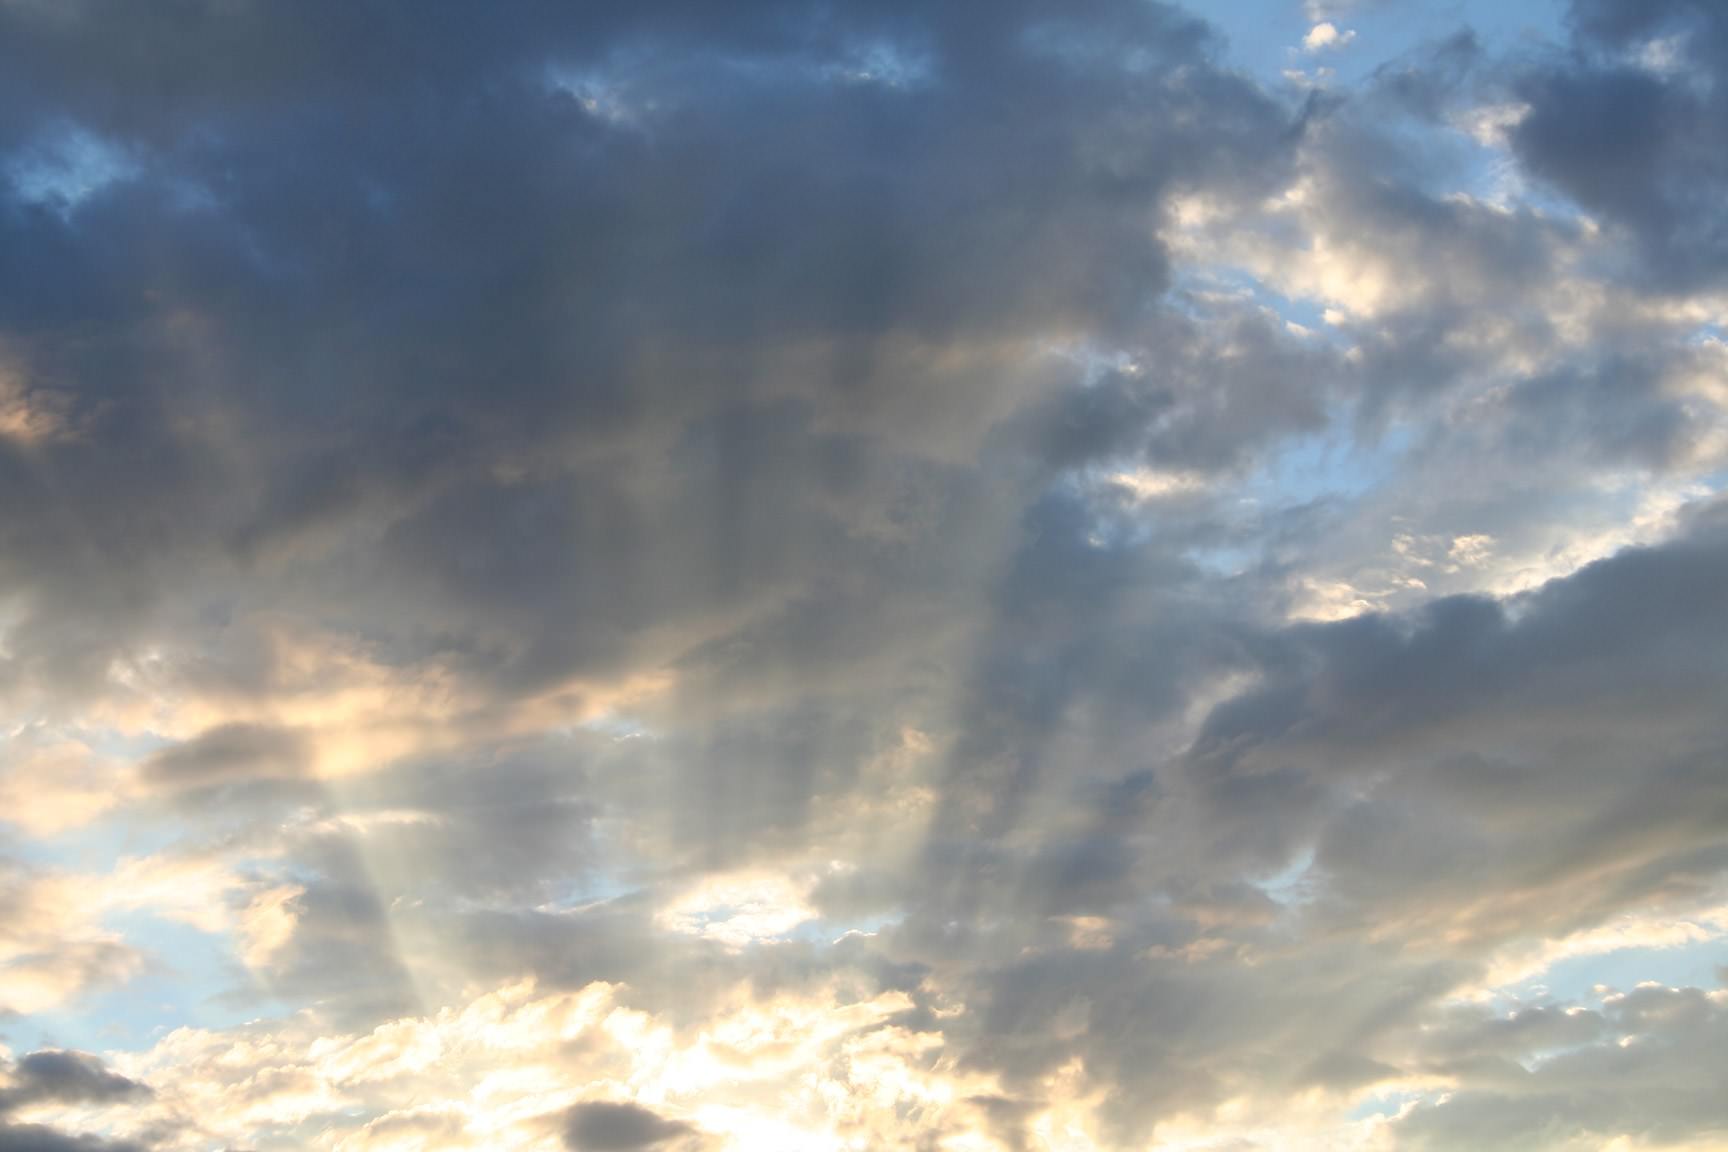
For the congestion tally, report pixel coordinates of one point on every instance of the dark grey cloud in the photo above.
(377, 315)
(342, 952)
(1636, 137)
(1455, 775)
(1206, 395)
(1553, 1077)
(1465, 725)
(37, 1138)
(522, 823)
(65, 1077)
(227, 754)
(532, 463)
(604, 1127)
(62, 1077)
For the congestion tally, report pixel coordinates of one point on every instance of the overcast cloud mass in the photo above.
(802, 575)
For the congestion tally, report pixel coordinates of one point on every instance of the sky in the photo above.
(802, 576)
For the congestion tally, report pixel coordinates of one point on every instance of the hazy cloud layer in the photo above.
(779, 575)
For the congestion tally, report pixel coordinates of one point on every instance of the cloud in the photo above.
(64, 1077)
(231, 751)
(50, 950)
(1550, 1081)
(1322, 10)
(778, 575)
(1625, 136)
(603, 1127)
(51, 785)
(52, 1077)
(29, 416)
(35, 1138)
(1326, 36)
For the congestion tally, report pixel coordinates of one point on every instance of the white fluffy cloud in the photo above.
(1326, 36)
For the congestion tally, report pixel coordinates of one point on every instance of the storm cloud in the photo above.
(784, 575)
